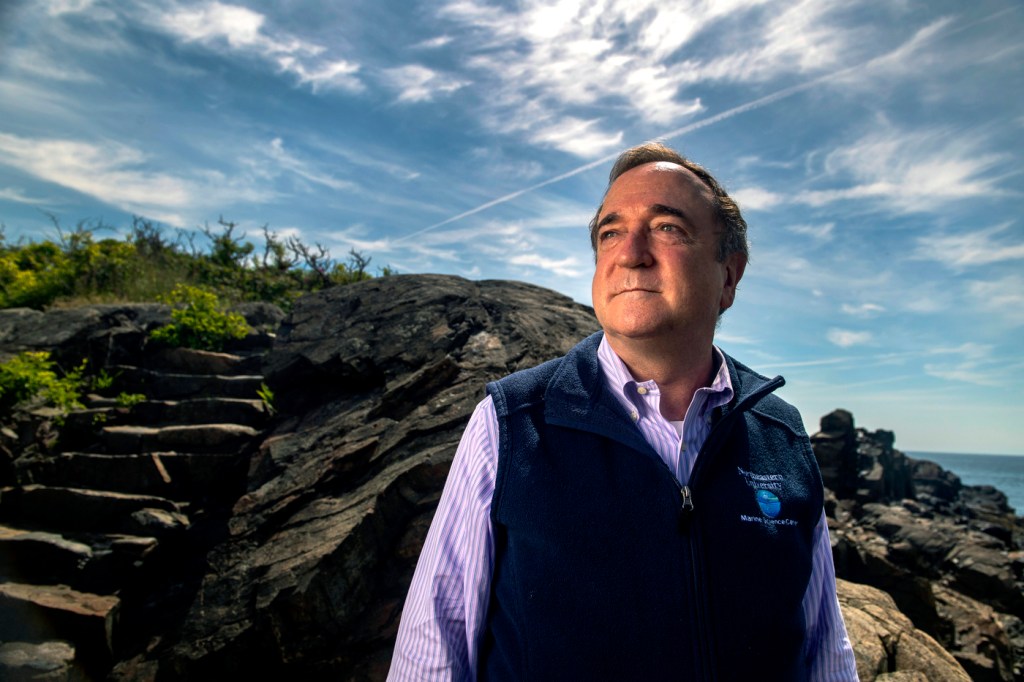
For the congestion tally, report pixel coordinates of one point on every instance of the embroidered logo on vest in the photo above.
(765, 488)
(768, 502)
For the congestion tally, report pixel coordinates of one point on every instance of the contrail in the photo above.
(696, 125)
(703, 123)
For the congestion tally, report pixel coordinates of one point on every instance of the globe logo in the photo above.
(768, 502)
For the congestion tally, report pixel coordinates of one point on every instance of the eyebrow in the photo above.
(656, 209)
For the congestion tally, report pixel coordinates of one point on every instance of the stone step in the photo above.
(247, 412)
(92, 562)
(81, 427)
(39, 661)
(176, 476)
(191, 361)
(157, 385)
(201, 438)
(252, 412)
(75, 509)
(37, 613)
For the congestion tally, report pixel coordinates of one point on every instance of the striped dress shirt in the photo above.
(445, 610)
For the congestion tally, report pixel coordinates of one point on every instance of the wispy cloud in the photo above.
(565, 267)
(234, 28)
(305, 169)
(1003, 297)
(969, 363)
(433, 43)
(17, 195)
(417, 83)
(37, 63)
(110, 171)
(820, 233)
(753, 198)
(55, 8)
(845, 338)
(862, 310)
(576, 137)
(982, 247)
(119, 175)
(549, 60)
(911, 170)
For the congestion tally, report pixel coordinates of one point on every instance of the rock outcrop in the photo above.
(948, 554)
(301, 571)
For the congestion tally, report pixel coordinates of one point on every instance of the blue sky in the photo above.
(875, 149)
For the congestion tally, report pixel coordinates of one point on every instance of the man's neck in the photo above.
(678, 373)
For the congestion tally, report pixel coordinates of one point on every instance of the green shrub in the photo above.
(198, 321)
(129, 399)
(33, 374)
(267, 396)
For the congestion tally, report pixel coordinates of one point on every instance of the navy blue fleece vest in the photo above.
(600, 573)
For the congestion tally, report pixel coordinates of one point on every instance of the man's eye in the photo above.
(667, 227)
(605, 234)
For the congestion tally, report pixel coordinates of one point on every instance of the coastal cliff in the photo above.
(292, 555)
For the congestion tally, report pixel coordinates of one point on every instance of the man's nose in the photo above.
(635, 250)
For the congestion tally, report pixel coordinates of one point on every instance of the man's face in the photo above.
(657, 274)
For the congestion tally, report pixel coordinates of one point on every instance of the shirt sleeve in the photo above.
(447, 601)
(828, 646)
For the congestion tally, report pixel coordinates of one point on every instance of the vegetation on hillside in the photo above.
(197, 321)
(80, 266)
(32, 374)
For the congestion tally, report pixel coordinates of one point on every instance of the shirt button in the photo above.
(634, 416)
(641, 390)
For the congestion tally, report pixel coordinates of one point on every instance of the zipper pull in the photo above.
(686, 511)
(687, 499)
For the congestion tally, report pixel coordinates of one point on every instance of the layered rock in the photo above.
(948, 554)
(306, 572)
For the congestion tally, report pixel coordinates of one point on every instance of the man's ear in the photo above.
(734, 264)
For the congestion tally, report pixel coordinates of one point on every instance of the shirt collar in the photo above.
(622, 384)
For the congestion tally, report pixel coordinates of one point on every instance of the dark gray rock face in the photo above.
(301, 570)
(948, 554)
(375, 382)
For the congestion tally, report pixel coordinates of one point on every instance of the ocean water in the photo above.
(1005, 472)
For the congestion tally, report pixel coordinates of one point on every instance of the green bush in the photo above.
(79, 267)
(129, 399)
(198, 321)
(33, 374)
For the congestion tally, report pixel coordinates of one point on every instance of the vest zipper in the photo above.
(687, 499)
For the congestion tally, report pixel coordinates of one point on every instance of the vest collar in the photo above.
(577, 396)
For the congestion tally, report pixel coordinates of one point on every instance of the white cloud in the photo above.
(304, 169)
(566, 267)
(845, 338)
(433, 43)
(37, 64)
(117, 174)
(970, 248)
(755, 198)
(541, 61)
(969, 350)
(1003, 297)
(358, 237)
(108, 171)
(819, 233)
(17, 195)
(577, 137)
(324, 76)
(974, 366)
(417, 83)
(217, 25)
(55, 8)
(862, 310)
(911, 170)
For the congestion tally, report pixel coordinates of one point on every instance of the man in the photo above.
(644, 507)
